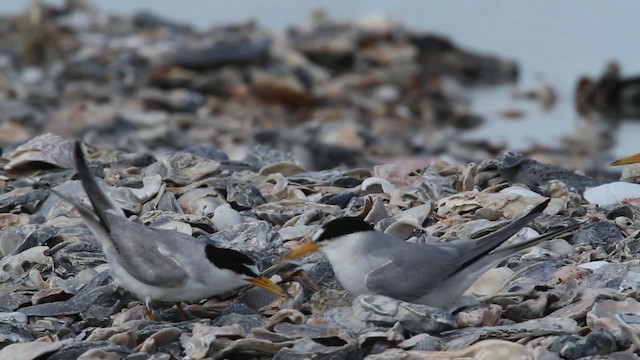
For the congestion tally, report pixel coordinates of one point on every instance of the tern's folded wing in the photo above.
(411, 271)
(142, 258)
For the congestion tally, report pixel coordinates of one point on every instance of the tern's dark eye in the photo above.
(230, 259)
(343, 226)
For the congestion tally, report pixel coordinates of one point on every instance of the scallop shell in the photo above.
(224, 216)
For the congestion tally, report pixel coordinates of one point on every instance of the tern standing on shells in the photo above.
(157, 264)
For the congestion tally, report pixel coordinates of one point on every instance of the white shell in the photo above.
(402, 229)
(178, 226)
(12, 265)
(378, 211)
(225, 216)
(408, 221)
(490, 282)
(612, 193)
(593, 265)
(150, 187)
(378, 185)
(201, 201)
(519, 190)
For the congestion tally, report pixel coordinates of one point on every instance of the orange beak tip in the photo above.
(306, 248)
(265, 283)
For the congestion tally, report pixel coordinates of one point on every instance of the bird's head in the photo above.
(330, 234)
(243, 266)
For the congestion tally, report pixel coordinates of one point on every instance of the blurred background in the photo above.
(553, 43)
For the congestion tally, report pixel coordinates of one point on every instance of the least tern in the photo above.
(158, 264)
(366, 261)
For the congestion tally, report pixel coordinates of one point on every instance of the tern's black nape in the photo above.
(230, 259)
(343, 226)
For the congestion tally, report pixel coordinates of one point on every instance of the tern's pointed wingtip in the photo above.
(81, 164)
(540, 207)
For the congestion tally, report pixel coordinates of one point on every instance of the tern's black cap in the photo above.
(343, 226)
(230, 259)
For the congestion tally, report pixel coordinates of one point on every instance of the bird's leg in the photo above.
(148, 313)
(181, 314)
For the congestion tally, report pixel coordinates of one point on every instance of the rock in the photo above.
(598, 342)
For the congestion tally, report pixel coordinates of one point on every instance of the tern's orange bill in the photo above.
(306, 248)
(264, 283)
(632, 159)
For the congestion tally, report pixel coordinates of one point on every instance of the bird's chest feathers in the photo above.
(346, 263)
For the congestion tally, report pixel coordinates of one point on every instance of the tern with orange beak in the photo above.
(158, 264)
(366, 261)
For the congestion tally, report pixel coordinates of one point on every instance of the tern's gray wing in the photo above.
(411, 270)
(147, 254)
(143, 252)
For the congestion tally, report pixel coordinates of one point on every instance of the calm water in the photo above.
(555, 40)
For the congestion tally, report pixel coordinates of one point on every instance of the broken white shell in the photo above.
(375, 185)
(150, 187)
(13, 265)
(408, 221)
(612, 193)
